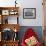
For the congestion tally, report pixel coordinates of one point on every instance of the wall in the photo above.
(27, 4)
(39, 13)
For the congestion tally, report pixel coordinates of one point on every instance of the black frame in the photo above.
(29, 16)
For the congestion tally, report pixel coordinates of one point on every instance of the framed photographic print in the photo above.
(29, 13)
(13, 12)
(5, 12)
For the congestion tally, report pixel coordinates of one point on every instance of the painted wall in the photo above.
(39, 12)
(27, 4)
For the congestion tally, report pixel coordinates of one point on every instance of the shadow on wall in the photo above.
(37, 29)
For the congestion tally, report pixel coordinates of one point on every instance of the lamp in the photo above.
(15, 30)
(15, 3)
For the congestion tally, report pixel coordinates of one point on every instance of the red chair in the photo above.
(29, 33)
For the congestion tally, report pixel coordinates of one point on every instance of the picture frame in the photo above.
(29, 13)
(5, 12)
(13, 12)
